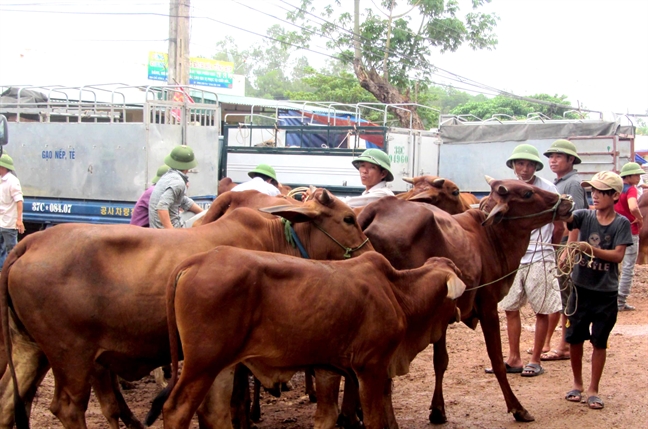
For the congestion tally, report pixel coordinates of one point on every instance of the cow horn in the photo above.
(325, 198)
(438, 183)
(488, 179)
(496, 214)
(502, 190)
(408, 180)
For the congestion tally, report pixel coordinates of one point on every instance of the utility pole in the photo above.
(178, 72)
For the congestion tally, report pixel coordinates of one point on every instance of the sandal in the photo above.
(532, 370)
(595, 403)
(554, 355)
(574, 395)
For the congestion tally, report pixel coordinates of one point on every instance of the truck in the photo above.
(462, 149)
(85, 154)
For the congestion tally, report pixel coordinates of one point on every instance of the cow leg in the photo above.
(111, 400)
(71, 396)
(103, 387)
(195, 381)
(390, 416)
(437, 407)
(255, 414)
(373, 386)
(490, 326)
(214, 411)
(328, 390)
(348, 417)
(31, 367)
(310, 386)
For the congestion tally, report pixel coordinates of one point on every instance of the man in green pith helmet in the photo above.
(375, 171)
(628, 206)
(169, 194)
(534, 281)
(263, 179)
(11, 207)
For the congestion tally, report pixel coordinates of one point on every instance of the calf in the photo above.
(277, 314)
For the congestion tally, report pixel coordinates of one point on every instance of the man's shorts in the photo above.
(595, 308)
(534, 283)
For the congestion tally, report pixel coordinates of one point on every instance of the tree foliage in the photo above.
(393, 53)
(505, 108)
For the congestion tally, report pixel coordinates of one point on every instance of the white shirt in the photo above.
(257, 184)
(536, 250)
(10, 194)
(374, 193)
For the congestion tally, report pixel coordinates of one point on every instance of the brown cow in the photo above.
(360, 317)
(92, 296)
(440, 192)
(486, 244)
(229, 200)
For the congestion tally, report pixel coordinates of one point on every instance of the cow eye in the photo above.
(455, 192)
(528, 194)
(349, 219)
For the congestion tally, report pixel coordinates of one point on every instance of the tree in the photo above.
(391, 52)
(517, 109)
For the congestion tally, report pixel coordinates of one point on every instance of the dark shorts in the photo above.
(590, 307)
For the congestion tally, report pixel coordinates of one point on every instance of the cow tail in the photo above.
(174, 343)
(20, 413)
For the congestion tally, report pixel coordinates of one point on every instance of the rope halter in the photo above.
(293, 240)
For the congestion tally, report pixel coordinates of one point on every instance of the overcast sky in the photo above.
(593, 51)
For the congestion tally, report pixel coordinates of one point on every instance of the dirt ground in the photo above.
(473, 398)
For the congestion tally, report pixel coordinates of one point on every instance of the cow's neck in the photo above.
(505, 254)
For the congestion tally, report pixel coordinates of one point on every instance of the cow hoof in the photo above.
(523, 416)
(346, 423)
(286, 387)
(437, 417)
(255, 416)
(312, 398)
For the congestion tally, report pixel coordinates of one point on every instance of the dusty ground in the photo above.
(473, 398)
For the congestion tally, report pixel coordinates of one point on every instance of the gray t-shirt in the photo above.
(169, 194)
(570, 185)
(602, 276)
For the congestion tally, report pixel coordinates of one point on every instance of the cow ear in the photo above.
(295, 214)
(496, 215)
(408, 180)
(423, 197)
(455, 286)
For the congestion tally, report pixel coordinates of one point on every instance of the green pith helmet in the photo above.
(160, 172)
(6, 162)
(264, 169)
(629, 169)
(181, 158)
(528, 152)
(376, 157)
(563, 146)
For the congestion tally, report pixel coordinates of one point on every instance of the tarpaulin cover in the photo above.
(325, 139)
(475, 132)
(28, 98)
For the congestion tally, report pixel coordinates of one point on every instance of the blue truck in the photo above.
(86, 154)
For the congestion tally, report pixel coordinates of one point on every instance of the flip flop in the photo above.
(532, 370)
(509, 369)
(574, 395)
(554, 355)
(595, 403)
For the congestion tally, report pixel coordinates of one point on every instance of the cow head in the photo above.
(529, 206)
(335, 220)
(440, 192)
